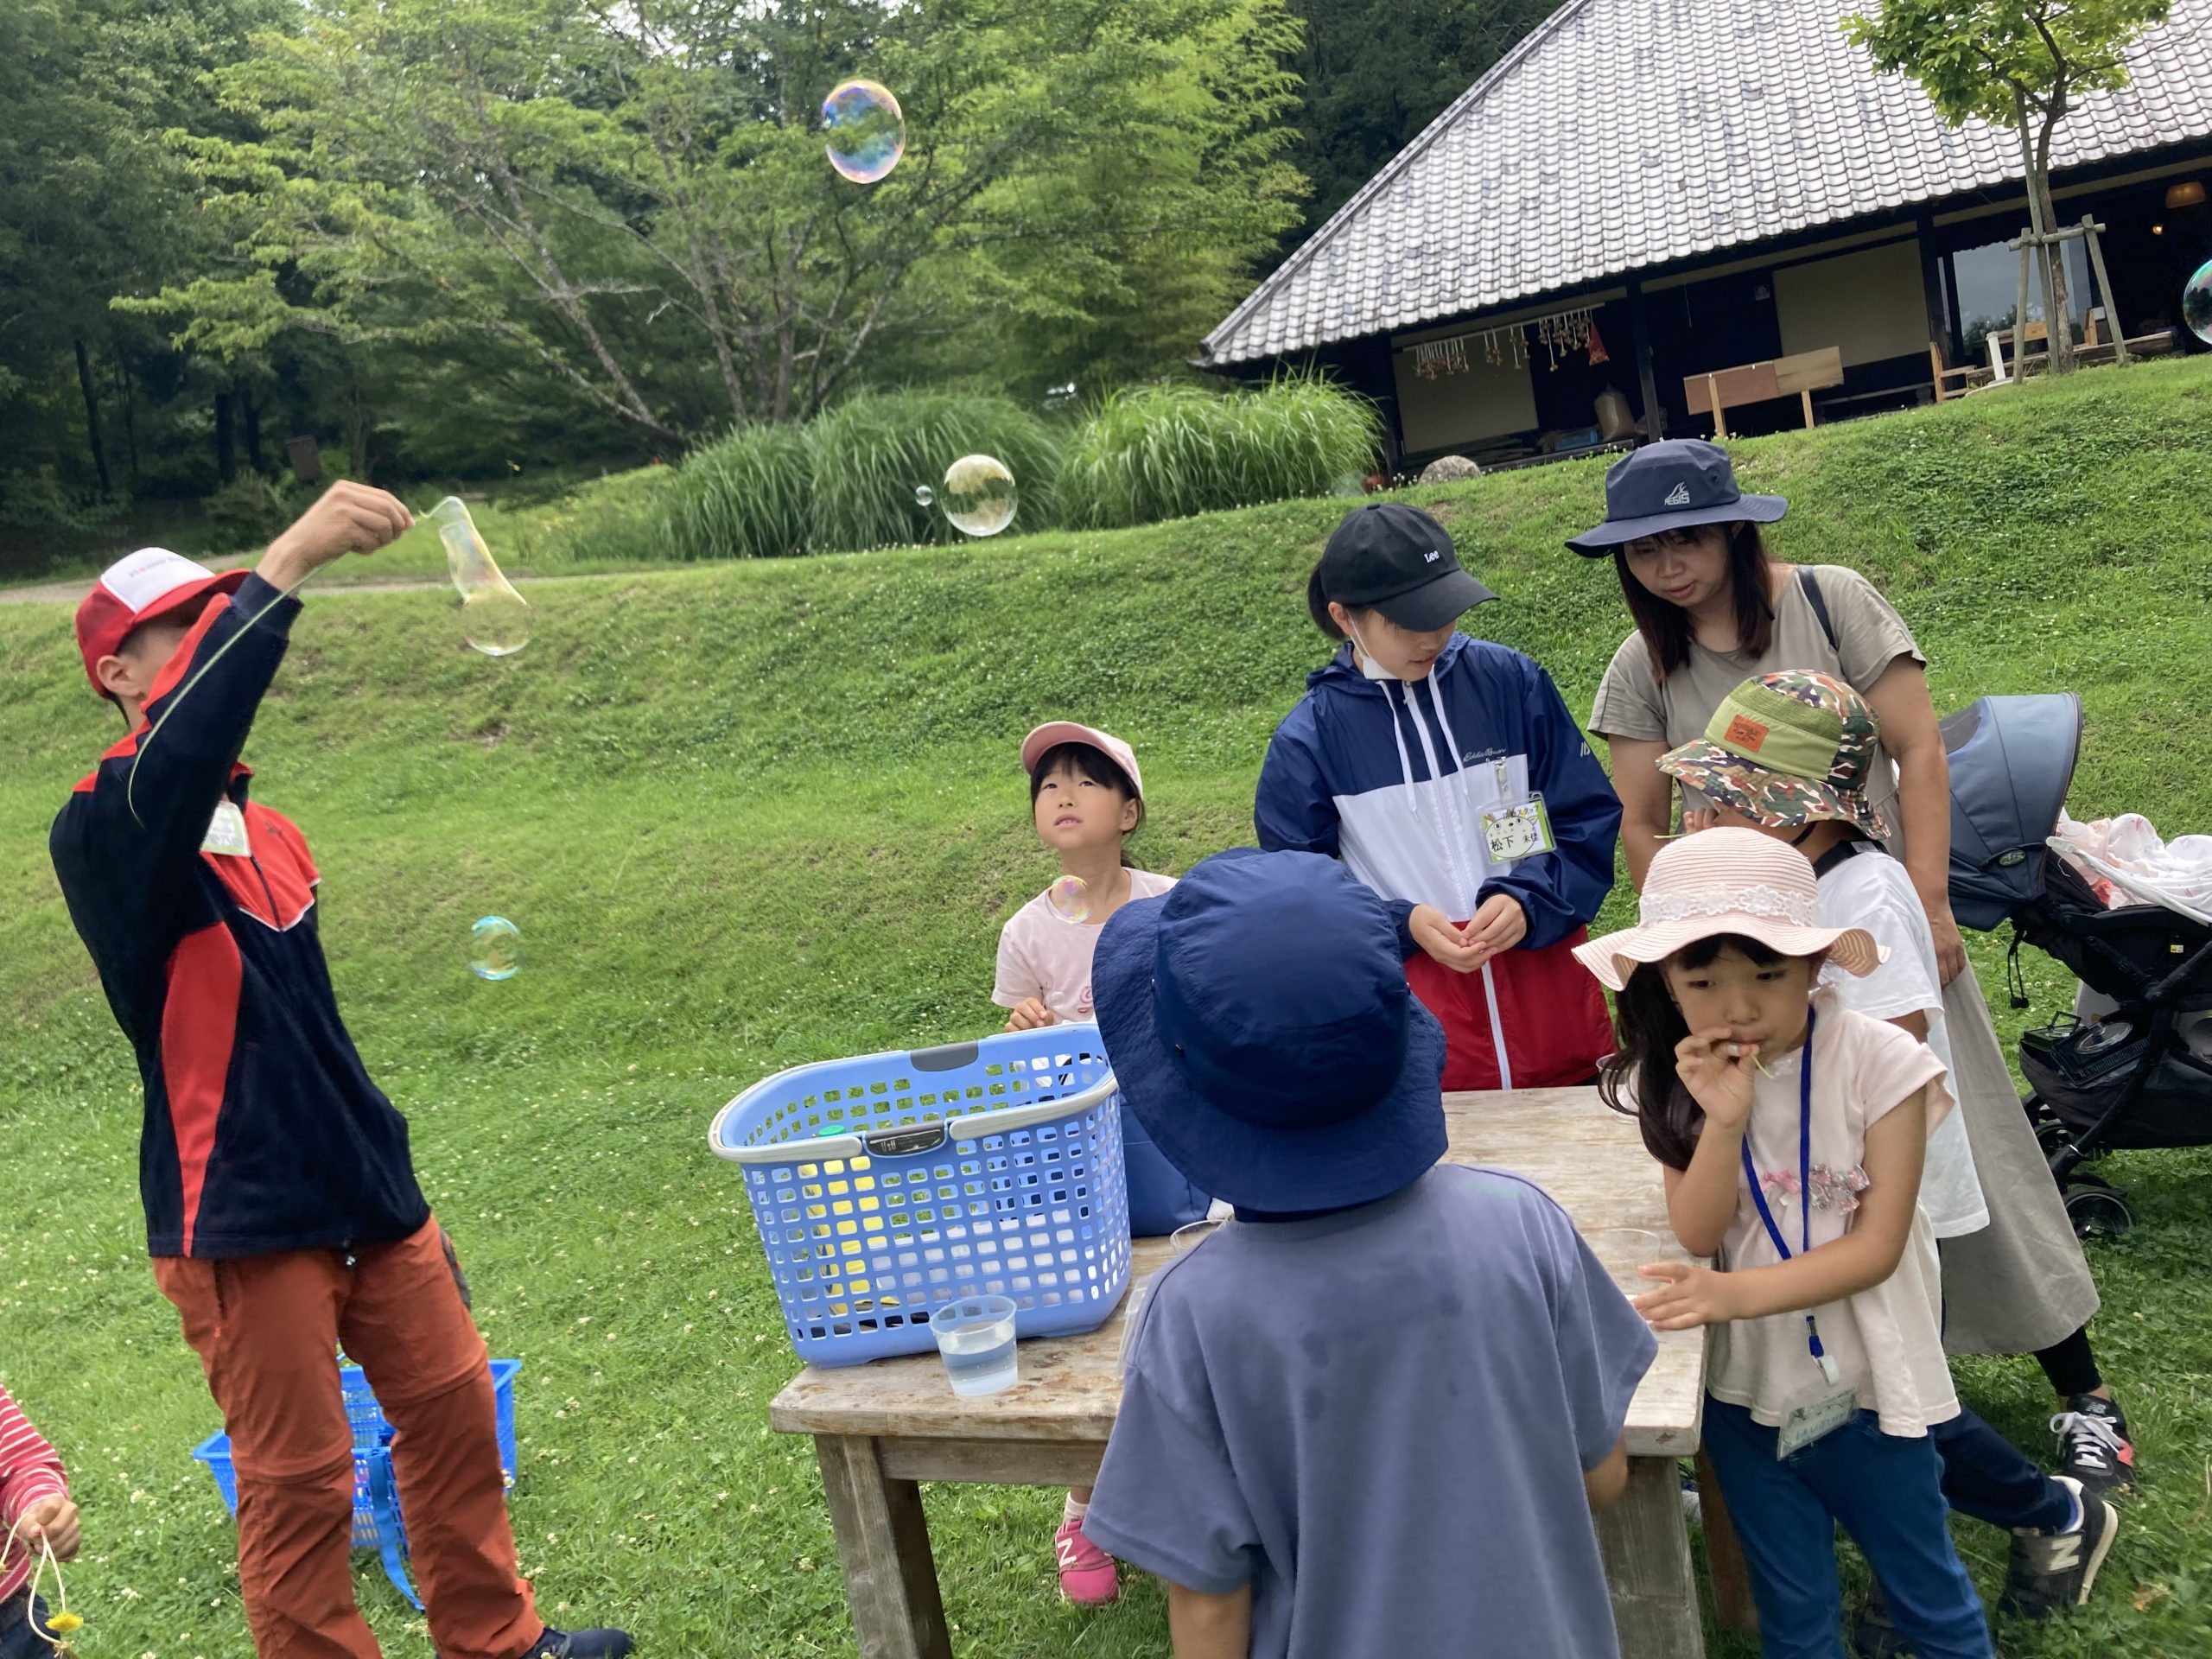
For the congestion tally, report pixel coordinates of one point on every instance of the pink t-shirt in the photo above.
(1887, 1340)
(1043, 956)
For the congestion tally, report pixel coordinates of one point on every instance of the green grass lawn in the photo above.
(747, 816)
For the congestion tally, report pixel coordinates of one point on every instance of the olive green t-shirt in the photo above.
(1633, 702)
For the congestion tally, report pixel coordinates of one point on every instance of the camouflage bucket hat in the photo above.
(1787, 748)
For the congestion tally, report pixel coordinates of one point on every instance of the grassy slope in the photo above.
(749, 817)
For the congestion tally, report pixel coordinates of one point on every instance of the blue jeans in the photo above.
(16, 1640)
(1986, 1475)
(1887, 1491)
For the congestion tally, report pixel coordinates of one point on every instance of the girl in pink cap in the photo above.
(1792, 1130)
(1087, 797)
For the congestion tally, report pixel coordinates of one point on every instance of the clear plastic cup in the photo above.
(975, 1337)
(1622, 1250)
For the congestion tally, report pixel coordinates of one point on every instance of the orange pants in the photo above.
(264, 1327)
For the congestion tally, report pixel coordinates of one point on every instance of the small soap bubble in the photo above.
(979, 497)
(494, 618)
(495, 945)
(863, 130)
(1069, 899)
(924, 496)
(2196, 303)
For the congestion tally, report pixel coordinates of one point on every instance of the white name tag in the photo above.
(227, 832)
(1517, 830)
(1813, 1415)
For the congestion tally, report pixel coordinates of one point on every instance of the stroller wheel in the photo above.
(2098, 1211)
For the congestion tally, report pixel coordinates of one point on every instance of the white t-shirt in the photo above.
(1887, 1341)
(1043, 956)
(1871, 890)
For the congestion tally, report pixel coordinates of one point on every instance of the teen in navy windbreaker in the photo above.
(1404, 760)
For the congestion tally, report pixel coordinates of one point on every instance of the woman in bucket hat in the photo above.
(1792, 1131)
(1787, 755)
(1373, 1412)
(1712, 609)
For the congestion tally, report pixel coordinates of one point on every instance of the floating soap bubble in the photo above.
(2196, 303)
(1069, 899)
(864, 130)
(924, 496)
(496, 946)
(979, 495)
(494, 618)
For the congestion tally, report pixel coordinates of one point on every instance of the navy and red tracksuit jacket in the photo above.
(262, 1131)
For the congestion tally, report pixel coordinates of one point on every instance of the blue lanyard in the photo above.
(1804, 1191)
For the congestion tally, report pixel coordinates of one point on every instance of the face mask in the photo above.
(1367, 665)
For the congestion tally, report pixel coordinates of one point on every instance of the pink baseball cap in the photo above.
(1052, 735)
(136, 588)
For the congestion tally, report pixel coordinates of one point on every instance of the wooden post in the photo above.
(1646, 374)
(1733, 1609)
(1808, 396)
(883, 1543)
(2090, 229)
(2020, 321)
(1647, 1551)
(1719, 420)
(1935, 368)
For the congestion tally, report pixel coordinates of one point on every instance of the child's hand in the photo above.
(1717, 1072)
(1695, 818)
(348, 517)
(1433, 933)
(55, 1520)
(1499, 925)
(1031, 1014)
(1685, 1297)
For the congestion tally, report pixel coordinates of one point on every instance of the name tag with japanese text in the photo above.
(1518, 828)
(227, 832)
(1812, 1415)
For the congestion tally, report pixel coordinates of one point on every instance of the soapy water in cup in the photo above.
(975, 1337)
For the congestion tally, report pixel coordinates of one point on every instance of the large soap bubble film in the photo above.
(863, 130)
(493, 616)
(978, 495)
(2196, 303)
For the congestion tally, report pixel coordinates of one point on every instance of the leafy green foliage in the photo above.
(1165, 452)
(1985, 58)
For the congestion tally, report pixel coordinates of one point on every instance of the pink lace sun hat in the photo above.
(1728, 881)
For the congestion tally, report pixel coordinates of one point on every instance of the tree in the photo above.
(630, 200)
(2017, 63)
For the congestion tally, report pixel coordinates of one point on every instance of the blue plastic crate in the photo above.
(368, 1423)
(886, 1186)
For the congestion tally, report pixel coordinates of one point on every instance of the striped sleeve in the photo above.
(30, 1471)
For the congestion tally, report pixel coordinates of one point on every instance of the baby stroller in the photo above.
(2140, 1075)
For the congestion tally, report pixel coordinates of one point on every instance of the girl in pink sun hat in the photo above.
(1791, 1131)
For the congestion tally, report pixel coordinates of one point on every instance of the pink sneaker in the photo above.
(1087, 1575)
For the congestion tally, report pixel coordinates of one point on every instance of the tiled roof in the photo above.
(1626, 134)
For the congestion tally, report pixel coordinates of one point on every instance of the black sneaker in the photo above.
(1873, 1634)
(2050, 1571)
(2093, 1445)
(579, 1644)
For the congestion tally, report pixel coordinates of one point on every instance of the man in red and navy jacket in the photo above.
(281, 1208)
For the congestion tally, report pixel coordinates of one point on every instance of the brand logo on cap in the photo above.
(1431, 558)
(1746, 733)
(1679, 496)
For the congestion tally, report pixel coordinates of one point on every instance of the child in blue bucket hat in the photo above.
(1374, 1411)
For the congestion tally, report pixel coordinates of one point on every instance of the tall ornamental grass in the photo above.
(1165, 452)
(873, 451)
(745, 496)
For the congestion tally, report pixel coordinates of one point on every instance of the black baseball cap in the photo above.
(1399, 561)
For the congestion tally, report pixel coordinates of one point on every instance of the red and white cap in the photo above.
(136, 588)
(1052, 735)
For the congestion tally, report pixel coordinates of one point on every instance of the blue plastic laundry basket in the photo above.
(368, 1432)
(886, 1186)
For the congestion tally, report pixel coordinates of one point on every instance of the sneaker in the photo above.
(1087, 1576)
(1873, 1634)
(2093, 1445)
(579, 1644)
(2052, 1570)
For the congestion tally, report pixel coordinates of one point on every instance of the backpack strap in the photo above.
(1842, 850)
(1814, 597)
(383, 1510)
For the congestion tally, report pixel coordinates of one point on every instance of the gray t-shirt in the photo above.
(1634, 703)
(1380, 1419)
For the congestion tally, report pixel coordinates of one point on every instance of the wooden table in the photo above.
(880, 1429)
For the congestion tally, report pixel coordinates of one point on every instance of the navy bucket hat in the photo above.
(1673, 486)
(1259, 1024)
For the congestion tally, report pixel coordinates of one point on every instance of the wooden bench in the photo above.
(880, 1429)
(1720, 390)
